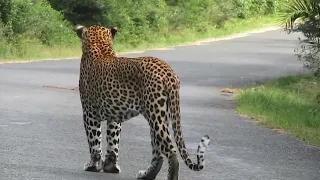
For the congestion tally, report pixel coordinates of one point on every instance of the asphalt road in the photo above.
(42, 135)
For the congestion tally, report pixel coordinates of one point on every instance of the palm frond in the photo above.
(295, 10)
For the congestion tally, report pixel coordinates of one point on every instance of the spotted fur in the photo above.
(116, 89)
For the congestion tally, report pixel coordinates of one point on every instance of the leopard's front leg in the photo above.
(111, 164)
(92, 126)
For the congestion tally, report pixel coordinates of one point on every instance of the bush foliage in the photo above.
(304, 16)
(32, 23)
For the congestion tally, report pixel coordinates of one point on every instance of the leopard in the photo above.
(116, 89)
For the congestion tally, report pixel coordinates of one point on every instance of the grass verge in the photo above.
(291, 104)
(39, 52)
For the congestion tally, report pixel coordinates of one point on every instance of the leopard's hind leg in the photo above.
(157, 116)
(156, 162)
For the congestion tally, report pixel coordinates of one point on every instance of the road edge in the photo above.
(196, 43)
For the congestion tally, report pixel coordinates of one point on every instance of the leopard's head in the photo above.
(96, 34)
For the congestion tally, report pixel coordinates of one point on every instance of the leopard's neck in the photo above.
(100, 51)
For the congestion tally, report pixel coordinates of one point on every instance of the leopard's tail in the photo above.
(175, 117)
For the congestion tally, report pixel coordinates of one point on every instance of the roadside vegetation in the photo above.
(292, 104)
(289, 104)
(37, 29)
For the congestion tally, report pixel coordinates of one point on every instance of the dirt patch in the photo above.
(61, 87)
(229, 92)
(281, 131)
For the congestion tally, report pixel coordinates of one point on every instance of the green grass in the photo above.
(290, 103)
(37, 52)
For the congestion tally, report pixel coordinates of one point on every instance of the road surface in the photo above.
(42, 135)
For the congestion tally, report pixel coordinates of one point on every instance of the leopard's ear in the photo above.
(79, 30)
(114, 31)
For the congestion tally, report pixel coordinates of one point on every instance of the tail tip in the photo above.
(206, 136)
(205, 139)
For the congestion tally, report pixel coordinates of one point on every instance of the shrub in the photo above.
(143, 20)
(49, 22)
(252, 8)
(28, 22)
(304, 16)
(85, 12)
